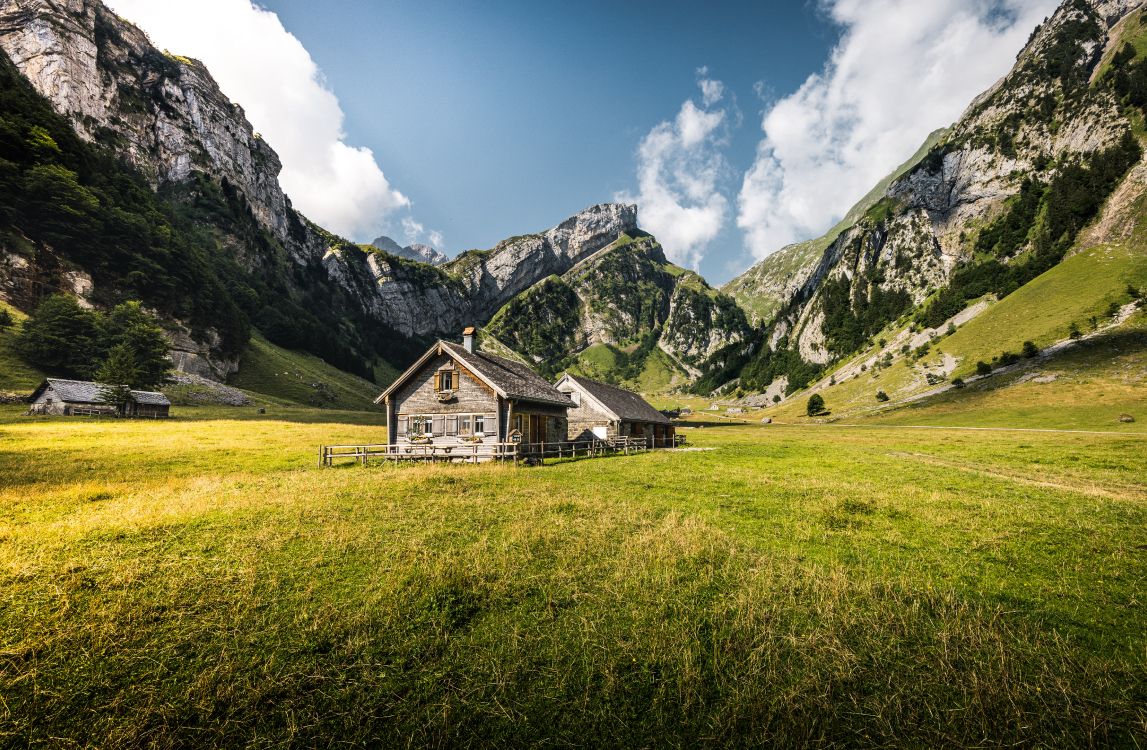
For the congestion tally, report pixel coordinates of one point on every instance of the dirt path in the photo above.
(1124, 492)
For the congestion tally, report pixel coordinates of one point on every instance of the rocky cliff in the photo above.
(419, 252)
(620, 312)
(997, 200)
(164, 118)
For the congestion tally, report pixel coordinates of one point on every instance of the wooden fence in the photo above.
(329, 455)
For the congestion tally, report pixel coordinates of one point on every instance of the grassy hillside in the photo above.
(300, 378)
(16, 375)
(200, 581)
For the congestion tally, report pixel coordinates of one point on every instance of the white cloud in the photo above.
(902, 69)
(679, 168)
(266, 69)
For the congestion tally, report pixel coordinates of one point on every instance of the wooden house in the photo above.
(456, 395)
(74, 398)
(607, 412)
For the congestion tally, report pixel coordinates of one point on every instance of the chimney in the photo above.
(468, 338)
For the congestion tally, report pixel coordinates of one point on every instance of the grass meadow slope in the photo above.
(200, 581)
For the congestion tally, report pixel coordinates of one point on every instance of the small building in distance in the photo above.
(607, 412)
(76, 398)
(457, 395)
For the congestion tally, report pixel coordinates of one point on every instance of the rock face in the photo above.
(166, 117)
(165, 114)
(418, 252)
(626, 301)
(1040, 120)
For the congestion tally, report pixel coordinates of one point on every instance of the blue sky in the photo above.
(738, 127)
(501, 118)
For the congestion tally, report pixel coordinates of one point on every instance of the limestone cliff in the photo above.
(990, 204)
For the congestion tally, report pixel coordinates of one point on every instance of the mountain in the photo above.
(766, 287)
(128, 174)
(1002, 197)
(623, 313)
(418, 252)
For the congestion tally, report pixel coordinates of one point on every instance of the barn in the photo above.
(457, 395)
(607, 412)
(76, 398)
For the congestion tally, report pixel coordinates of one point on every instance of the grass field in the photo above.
(199, 581)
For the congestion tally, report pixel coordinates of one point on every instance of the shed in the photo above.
(75, 398)
(608, 412)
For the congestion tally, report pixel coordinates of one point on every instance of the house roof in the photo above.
(508, 378)
(87, 392)
(73, 391)
(150, 398)
(624, 404)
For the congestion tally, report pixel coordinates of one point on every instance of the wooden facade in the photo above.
(454, 395)
(607, 412)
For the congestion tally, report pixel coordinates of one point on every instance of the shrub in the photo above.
(1113, 309)
(1008, 358)
(6, 320)
(815, 405)
(1030, 349)
(881, 396)
(776, 399)
(1135, 293)
(957, 382)
(983, 368)
(1074, 331)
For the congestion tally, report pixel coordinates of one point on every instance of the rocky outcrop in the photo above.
(628, 298)
(164, 113)
(419, 252)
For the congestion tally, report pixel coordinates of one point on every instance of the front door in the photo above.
(537, 428)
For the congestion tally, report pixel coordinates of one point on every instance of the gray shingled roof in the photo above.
(76, 391)
(150, 398)
(87, 392)
(627, 405)
(515, 379)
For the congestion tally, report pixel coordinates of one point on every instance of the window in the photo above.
(421, 426)
(445, 380)
(464, 423)
(479, 424)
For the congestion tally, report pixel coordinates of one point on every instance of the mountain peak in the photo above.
(417, 251)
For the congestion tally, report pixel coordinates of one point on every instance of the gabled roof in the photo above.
(87, 392)
(625, 405)
(508, 378)
(150, 398)
(73, 391)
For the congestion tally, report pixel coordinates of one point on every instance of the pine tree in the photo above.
(815, 405)
(116, 375)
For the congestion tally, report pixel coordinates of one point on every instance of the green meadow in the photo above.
(201, 582)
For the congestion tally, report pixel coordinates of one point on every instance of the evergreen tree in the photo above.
(129, 325)
(6, 320)
(117, 373)
(815, 405)
(61, 337)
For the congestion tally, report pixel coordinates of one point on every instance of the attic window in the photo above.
(575, 397)
(445, 380)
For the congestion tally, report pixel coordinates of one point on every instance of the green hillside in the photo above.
(16, 375)
(301, 378)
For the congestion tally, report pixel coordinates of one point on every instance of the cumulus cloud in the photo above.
(265, 68)
(679, 168)
(415, 232)
(901, 69)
